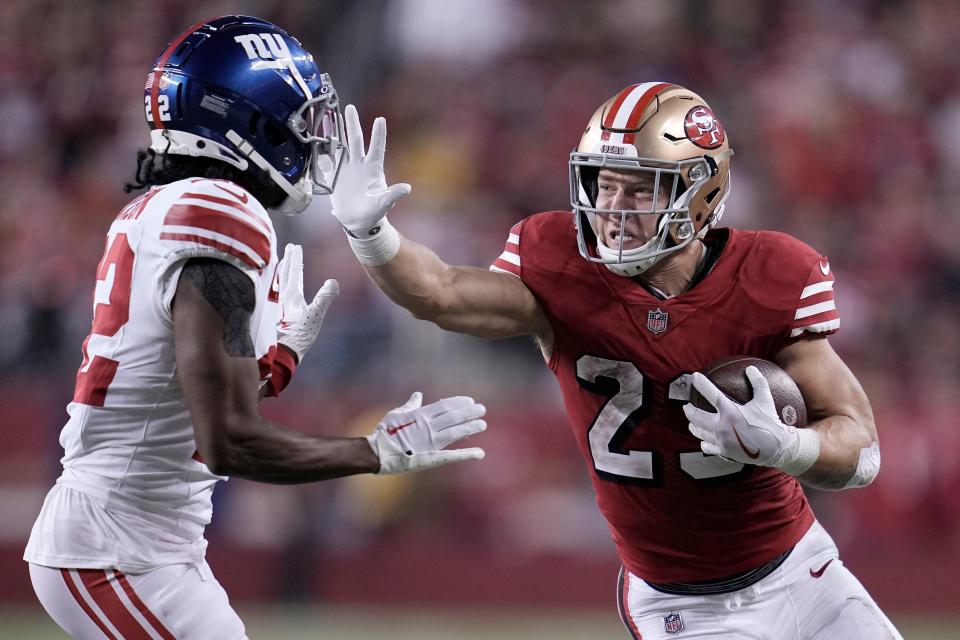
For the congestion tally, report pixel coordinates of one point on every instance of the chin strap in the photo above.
(298, 196)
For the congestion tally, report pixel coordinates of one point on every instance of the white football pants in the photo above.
(175, 602)
(811, 596)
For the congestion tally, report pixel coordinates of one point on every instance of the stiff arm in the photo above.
(469, 300)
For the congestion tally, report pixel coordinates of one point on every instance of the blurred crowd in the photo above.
(845, 119)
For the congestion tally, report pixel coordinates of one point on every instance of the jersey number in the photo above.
(624, 412)
(111, 311)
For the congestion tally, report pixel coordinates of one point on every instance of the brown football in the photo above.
(729, 374)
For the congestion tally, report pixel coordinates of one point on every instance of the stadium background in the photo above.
(846, 122)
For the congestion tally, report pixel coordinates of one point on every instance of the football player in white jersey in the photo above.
(195, 319)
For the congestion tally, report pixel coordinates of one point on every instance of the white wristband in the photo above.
(799, 458)
(377, 246)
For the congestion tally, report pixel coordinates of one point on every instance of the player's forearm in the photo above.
(264, 451)
(414, 279)
(849, 455)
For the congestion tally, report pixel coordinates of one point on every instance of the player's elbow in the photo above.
(221, 445)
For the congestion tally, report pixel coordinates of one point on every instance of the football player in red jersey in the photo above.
(195, 318)
(706, 510)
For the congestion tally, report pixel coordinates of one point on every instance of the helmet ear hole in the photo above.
(254, 121)
(272, 134)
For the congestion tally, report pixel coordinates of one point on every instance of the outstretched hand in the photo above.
(362, 198)
(414, 437)
(300, 322)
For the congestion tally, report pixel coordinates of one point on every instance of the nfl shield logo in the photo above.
(673, 623)
(657, 320)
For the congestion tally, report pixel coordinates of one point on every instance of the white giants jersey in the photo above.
(130, 453)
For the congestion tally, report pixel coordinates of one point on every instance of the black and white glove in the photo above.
(300, 322)
(413, 437)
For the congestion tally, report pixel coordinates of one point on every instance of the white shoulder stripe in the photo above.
(819, 287)
(510, 257)
(814, 309)
(513, 238)
(819, 327)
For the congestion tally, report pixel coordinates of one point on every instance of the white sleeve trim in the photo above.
(819, 327)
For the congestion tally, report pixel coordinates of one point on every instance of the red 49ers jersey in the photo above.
(129, 441)
(623, 356)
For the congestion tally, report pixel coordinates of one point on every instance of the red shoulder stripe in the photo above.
(187, 237)
(233, 204)
(223, 223)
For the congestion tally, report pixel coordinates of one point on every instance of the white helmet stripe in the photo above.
(627, 106)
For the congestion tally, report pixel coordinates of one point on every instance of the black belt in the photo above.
(728, 584)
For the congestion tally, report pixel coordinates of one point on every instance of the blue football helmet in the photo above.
(243, 91)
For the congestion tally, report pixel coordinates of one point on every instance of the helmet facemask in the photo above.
(677, 183)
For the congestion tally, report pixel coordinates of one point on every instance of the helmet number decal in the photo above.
(163, 106)
(703, 129)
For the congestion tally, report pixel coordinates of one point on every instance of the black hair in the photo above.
(163, 168)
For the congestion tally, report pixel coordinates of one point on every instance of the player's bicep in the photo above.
(216, 364)
(489, 304)
(828, 386)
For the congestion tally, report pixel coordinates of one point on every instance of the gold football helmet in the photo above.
(670, 132)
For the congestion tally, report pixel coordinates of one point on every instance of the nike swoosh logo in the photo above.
(819, 572)
(242, 197)
(392, 431)
(753, 455)
(825, 268)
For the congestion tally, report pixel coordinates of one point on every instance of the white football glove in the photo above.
(412, 438)
(361, 197)
(750, 433)
(300, 322)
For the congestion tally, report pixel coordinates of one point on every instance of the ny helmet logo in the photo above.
(268, 49)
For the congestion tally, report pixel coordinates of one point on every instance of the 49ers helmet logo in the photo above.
(703, 129)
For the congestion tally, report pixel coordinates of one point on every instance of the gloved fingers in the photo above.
(433, 459)
(413, 403)
(711, 449)
(378, 141)
(324, 165)
(457, 416)
(445, 405)
(699, 416)
(354, 134)
(295, 270)
(326, 294)
(390, 195)
(705, 435)
(708, 390)
(761, 388)
(456, 432)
